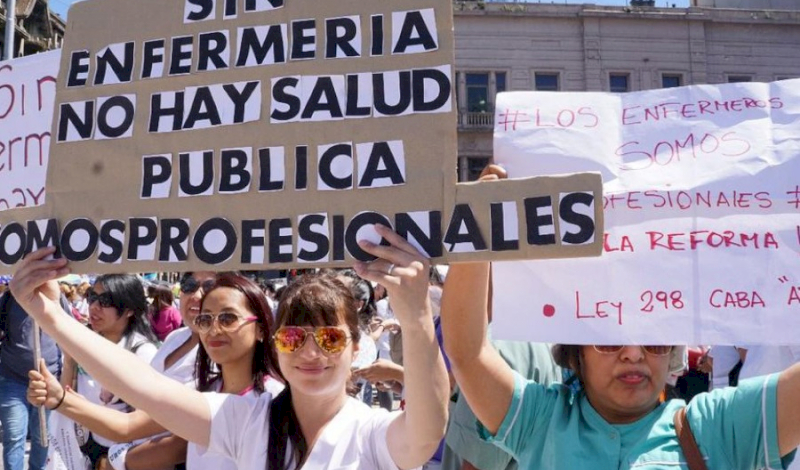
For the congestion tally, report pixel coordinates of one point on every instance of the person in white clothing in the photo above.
(232, 358)
(328, 429)
(118, 314)
(175, 359)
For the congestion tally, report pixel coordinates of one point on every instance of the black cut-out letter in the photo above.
(36, 239)
(463, 216)
(204, 108)
(339, 33)
(279, 95)
(179, 54)
(199, 243)
(277, 241)
(143, 232)
(157, 112)
(499, 242)
(301, 167)
(534, 222)
(69, 118)
(211, 45)
(9, 256)
(153, 54)
(116, 103)
(249, 45)
(305, 232)
(326, 161)
(78, 68)
(174, 232)
(380, 94)
(123, 70)
(323, 98)
(303, 34)
(585, 223)
(234, 175)
(442, 81)
(114, 243)
(376, 48)
(185, 170)
(156, 170)
(414, 32)
(205, 11)
(249, 238)
(431, 242)
(266, 181)
(381, 155)
(350, 240)
(90, 232)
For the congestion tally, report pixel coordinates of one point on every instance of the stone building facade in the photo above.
(38, 28)
(532, 46)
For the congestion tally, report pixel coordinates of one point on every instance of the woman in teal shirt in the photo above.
(616, 421)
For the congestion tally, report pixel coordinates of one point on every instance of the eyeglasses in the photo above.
(652, 350)
(105, 299)
(227, 321)
(190, 285)
(331, 339)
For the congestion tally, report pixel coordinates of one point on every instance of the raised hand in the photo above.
(34, 285)
(402, 270)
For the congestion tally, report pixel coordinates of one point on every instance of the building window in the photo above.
(477, 92)
(500, 81)
(739, 78)
(546, 81)
(618, 82)
(474, 167)
(671, 80)
(783, 77)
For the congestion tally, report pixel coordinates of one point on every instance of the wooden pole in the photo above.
(37, 355)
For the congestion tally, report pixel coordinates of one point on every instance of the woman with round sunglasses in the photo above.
(233, 321)
(176, 359)
(117, 313)
(616, 420)
(331, 430)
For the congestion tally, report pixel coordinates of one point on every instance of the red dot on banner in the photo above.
(548, 310)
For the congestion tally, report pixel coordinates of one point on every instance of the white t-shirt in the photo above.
(196, 456)
(181, 370)
(91, 389)
(354, 439)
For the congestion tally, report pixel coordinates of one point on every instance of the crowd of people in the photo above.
(387, 365)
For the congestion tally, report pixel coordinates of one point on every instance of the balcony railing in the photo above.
(476, 120)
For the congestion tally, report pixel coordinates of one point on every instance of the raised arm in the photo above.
(109, 423)
(484, 378)
(177, 408)
(789, 409)
(414, 436)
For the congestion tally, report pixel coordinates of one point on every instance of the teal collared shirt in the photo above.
(735, 428)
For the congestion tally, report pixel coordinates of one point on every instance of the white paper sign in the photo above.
(27, 94)
(702, 210)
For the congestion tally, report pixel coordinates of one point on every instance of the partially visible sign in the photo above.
(702, 210)
(27, 95)
(266, 134)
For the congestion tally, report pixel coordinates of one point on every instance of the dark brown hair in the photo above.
(569, 356)
(311, 300)
(162, 297)
(264, 360)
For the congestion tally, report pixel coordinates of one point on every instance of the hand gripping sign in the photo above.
(263, 134)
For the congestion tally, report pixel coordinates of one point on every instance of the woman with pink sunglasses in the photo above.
(314, 423)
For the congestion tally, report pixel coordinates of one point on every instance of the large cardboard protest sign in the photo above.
(702, 209)
(272, 133)
(27, 94)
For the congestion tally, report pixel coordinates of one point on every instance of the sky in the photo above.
(61, 6)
